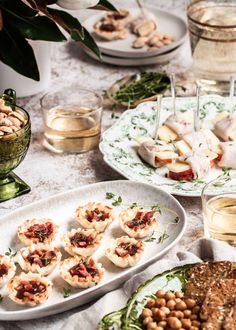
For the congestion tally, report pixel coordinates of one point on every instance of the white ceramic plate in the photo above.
(167, 24)
(158, 59)
(61, 209)
(120, 149)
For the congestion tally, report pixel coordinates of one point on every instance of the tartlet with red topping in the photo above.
(7, 270)
(83, 242)
(137, 222)
(39, 258)
(29, 289)
(125, 251)
(81, 272)
(37, 231)
(95, 216)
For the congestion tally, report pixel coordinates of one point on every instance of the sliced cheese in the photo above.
(164, 133)
(178, 167)
(165, 155)
(182, 147)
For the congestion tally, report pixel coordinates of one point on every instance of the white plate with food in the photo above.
(121, 61)
(169, 32)
(79, 250)
(121, 143)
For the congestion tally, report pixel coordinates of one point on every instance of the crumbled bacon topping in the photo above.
(108, 27)
(141, 220)
(84, 269)
(118, 15)
(40, 231)
(96, 215)
(125, 249)
(81, 240)
(41, 257)
(28, 289)
(3, 270)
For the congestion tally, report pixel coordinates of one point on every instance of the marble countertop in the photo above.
(48, 173)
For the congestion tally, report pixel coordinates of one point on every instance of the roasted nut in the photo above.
(6, 109)
(174, 323)
(16, 122)
(2, 115)
(6, 129)
(1, 133)
(5, 122)
(140, 42)
(18, 115)
(15, 129)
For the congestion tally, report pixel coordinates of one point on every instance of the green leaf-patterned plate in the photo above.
(119, 147)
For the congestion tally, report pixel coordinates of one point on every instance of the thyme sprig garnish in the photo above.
(10, 253)
(1, 298)
(116, 200)
(66, 292)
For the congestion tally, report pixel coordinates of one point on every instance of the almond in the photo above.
(6, 129)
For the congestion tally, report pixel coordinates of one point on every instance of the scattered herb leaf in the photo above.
(66, 292)
(156, 208)
(163, 237)
(10, 253)
(1, 298)
(134, 205)
(116, 200)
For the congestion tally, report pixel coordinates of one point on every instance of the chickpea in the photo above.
(154, 310)
(193, 328)
(196, 323)
(146, 312)
(160, 302)
(186, 323)
(187, 313)
(169, 295)
(179, 314)
(196, 309)
(162, 324)
(190, 303)
(161, 315)
(159, 328)
(171, 304)
(150, 303)
(181, 306)
(178, 300)
(174, 323)
(160, 294)
(179, 294)
(165, 310)
(151, 325)
(193, 317)
(147, 320)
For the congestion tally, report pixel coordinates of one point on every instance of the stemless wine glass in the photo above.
(13, 148)
(219, 208)
(72, 119)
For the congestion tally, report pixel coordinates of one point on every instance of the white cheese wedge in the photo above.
(210, 154)
(164, 133)
(166, 155)
(220, 116)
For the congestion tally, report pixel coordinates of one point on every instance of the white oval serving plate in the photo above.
(168, 23)
(119, 146)
(121, 61)
(61, 208)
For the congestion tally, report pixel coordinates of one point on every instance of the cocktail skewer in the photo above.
(140, 7)
(231, 94)
(158, 111)
(196, 118)
(173, 91)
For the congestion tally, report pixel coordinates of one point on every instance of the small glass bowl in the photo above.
(13, 148)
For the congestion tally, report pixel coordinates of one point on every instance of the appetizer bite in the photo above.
(144, 25)
(137, 222)
(109, 30)
(95, 216)
(122, 17)
(191, 166)
(39, 258)
(83, 242)
(125, 251)
(7, 270)
(29, 289)
(81, 272)
(157, 153)
(228, 157)
(176, 126)
(225, 126)
(37, 231)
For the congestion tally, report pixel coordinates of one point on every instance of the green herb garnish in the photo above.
(1, 298)
(66, 292)
(163, 237)
(116, 200)
(10, 253)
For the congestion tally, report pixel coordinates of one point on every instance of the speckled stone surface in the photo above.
(49, 173)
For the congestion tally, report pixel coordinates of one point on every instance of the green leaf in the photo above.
(67, 22)
(18, 54)
(18, 7)
(36, 28)
(89, 43)
(109, 195)
(106, 5)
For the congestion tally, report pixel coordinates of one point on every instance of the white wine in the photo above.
(213, 43)
(220, 218)
(72, 129)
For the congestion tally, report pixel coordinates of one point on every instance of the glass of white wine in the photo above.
(72, 119)
(219, 209)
